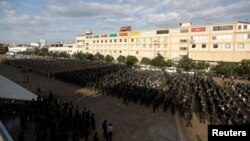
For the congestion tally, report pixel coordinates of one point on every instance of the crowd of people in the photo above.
(54, 120)
(187, 94)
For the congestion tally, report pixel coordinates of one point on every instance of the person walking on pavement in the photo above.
(110, 131)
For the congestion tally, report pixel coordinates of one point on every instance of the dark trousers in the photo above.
(109, 137)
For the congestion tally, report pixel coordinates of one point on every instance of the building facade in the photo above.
(69, 47)
(16, 49)
(212, 42)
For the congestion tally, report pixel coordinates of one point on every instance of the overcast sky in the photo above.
(25, 21)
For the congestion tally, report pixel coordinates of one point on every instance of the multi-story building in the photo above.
(69, 47)
(20, 48)
(212, 42)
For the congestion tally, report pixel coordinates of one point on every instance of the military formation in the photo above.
(185, 94)
(54, 120)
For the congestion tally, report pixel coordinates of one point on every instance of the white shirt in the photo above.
(110, 129)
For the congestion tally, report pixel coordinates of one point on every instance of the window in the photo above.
(243, 36)
(222, 37)
(241, 45)
(203, 46)
(183, 48)
(193, 45)
(164, 39)
(239, 27)
(105, 41)
(183, 41)
(137, 52)
(221, 28)
(125, 40)
(184, 30)
(162, 32)
(97, 41)
(199, 38)
(120, 51)
(215, 45)
(94, 41)
(101, 41)
(150, 46)
(245, 26)
(144, 46)
(120, 40)
(115, 40)
(132, 40)
(114, 51)
(227, 45)
(248, 36)
(165, 46)
(110, 41)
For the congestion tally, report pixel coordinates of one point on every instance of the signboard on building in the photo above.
(162, 31)
(135, 33)
(198, 29)
(112, 35)
(104, 36)
(123, 34)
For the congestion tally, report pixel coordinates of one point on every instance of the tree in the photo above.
(244, 68)
(55, 54)
(89, 56)
(131, 60)
(121, 59)
(201, 65)
(109, 58)
(98, 57)
(226, 68)
(158, 61)
(64, 54)
(146, 61)
(44, 51)
(169, 63)
(186, 63)
(79, 56)
(37, 52)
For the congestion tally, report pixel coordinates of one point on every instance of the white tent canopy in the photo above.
(11, 90)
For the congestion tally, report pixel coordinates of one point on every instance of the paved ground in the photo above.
(131, 123)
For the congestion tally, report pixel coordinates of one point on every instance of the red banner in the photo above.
(123, 34)
(198, 29)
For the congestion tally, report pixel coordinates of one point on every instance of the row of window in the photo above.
(222, 28)
(186, 30)
(113, 51)
(134, 46)
(220, 37)
(155, 40)
(227, 45)
(240, 27)
(164, 39)
(243, 36)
